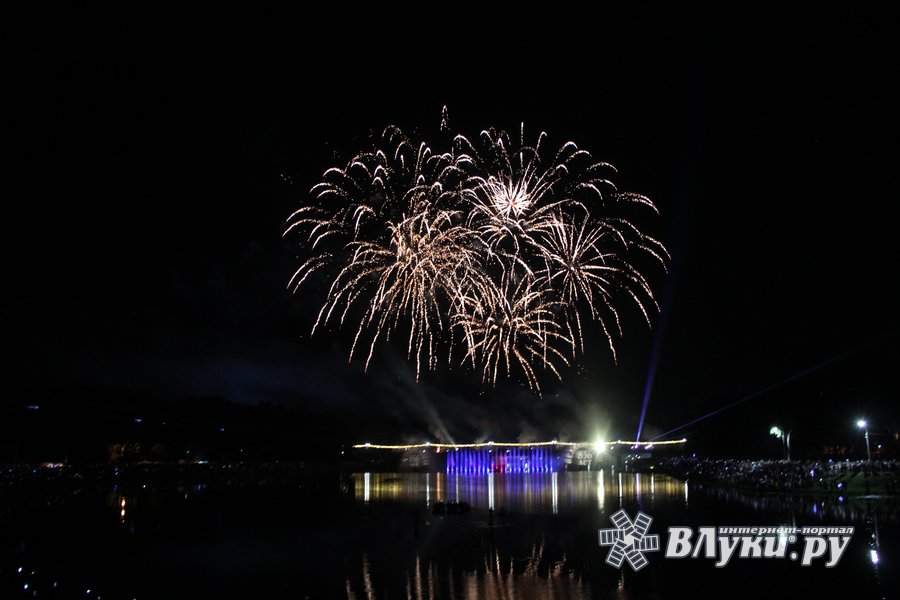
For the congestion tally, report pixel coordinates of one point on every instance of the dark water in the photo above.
(374, 536)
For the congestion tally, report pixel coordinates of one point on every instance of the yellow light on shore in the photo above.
(595, 445)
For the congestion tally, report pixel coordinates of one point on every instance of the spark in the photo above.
(495, 247)
(511, 325)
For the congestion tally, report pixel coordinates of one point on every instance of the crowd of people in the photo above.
(827, 476)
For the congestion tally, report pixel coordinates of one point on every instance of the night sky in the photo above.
(157, 157)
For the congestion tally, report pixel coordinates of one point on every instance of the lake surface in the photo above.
(375, 536)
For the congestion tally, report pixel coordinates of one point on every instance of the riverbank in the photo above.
(816, 477)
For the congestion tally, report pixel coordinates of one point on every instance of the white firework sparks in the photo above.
(487, 245)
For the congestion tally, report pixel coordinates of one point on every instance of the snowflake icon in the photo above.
(629, 540)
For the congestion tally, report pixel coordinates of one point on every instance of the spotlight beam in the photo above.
(790, 379)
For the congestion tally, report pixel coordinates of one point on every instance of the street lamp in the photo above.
(865, 426)
(785, 438)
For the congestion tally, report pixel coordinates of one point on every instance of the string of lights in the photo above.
(426, 445)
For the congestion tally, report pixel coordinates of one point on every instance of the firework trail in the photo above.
(489, 253)
(508, 326)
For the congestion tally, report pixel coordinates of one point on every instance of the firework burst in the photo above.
(511, 326)
(489, 247)
(426, 260)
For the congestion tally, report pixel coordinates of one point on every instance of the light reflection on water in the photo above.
(505, 575)
(545, 495)
(372, 535)
(534, 576)
(525, 493)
